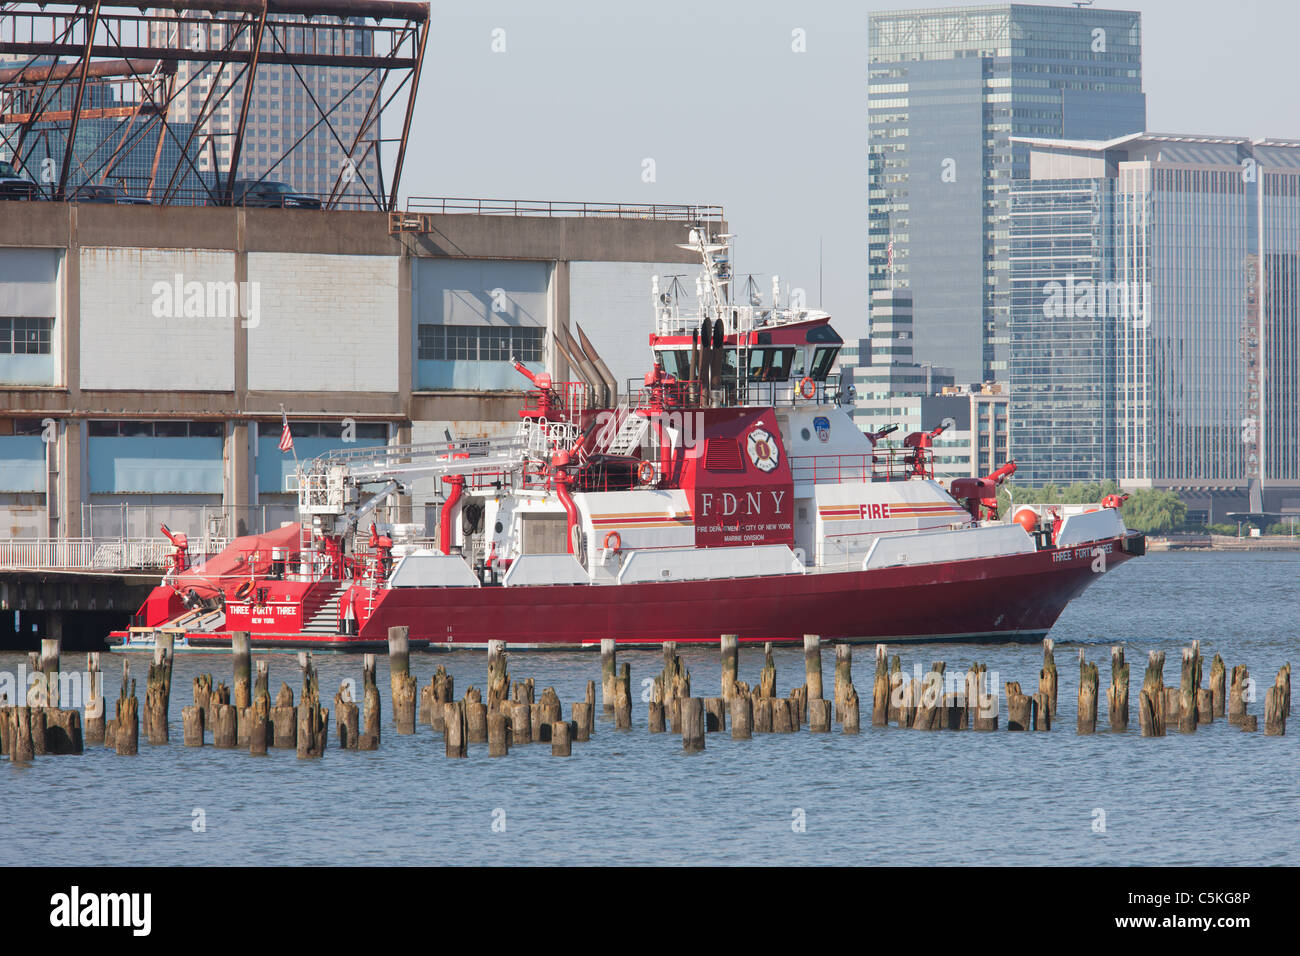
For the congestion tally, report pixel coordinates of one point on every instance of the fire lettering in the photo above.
(874, 511)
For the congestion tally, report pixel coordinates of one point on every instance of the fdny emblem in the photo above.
(762, 450)
(822, 424)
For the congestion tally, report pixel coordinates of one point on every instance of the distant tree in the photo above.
(1151, 511)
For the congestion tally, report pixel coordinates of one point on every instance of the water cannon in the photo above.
(540, 379)
(1114, 501)
(181, 556)
(877, 435)
(1003, 473)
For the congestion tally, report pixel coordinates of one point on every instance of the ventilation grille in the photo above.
(722, 454)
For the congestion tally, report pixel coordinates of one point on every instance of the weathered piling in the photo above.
(1173, 707)
(241, 658)
(475, 717)
(96, 713)
(259, 726)
(63, 731)
(929, 701)
(692, 711)
(1047, 677)
(623, 698)
(1117, 695)
(1275, 703)
(1042, 711)
(401, 683)
(608, 674)
(895, 687)
(879, 687)
(498, 725)
(561, 739)
(1218, 687)
(730, 664)
(454, 731)
(203, 698)
(984, 704)
(498, 684)
(812, 665)
(22, 746)
(368, 738)
(655, 716)
(782, 720)
(908, 704)
(49, 669)
(1151, 699)
(715, 715)
(284, 720)
(1088, 682)
(676, 679)
(762, 714)
(1250, 722)
(1188, 685)
(521, 723)
(192, 725)
(742, 716)
(583, 718)
(844, 675)
(347, 717)
(1019, 708)
(225, 730)
(126, 737)
(852, 722)
(1237, 694)
(157, 695)
(38, 731)
(798, 706)
(767, 676)
(955, 715)
(819, 715)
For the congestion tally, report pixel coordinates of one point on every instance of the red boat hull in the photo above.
(997, 599)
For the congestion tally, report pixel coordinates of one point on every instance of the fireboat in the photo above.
(729, 491)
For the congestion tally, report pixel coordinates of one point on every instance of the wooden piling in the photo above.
(284, 720)
(1218, 688)
(63, 731)
(782, 719)
(401, 683)
(347, 717)
(1117, 695)
(22, 746)
(715, 715)
(126, 737)
(844, 675)
(1088, 682)
(895, 688)
(730, 664)
(692, 711)
(767, 677)
(1019, 708)
(241, 658)
(1188, 686)
(983, 704)
(798, 706)
(157, 695)
(819, 715)
(203, 698)
(1047, 677)
(929, 700)
(475, 719)
(192, 725)
(96, 713)
(498, 684)
(623, 698)
(521, 723)
(608, 674)
(742, 717)
(879, 687)
(655, 716)
(453, 733)
(1151, 699)
(49, 665)
(224, 731)
(368, 738)
(1237, 694)
(1250, 722)
(561, 739)
(1275, 703)
(762, 714)
(498, 732)
(852, 720)
(812, 665)
(1042, 711)
(583, 717)
(956, 715)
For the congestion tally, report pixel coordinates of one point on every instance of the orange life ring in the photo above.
(807, 387)
(645, 473)
(617, 542)
(245, 590)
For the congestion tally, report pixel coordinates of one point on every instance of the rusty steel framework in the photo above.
(57, 51)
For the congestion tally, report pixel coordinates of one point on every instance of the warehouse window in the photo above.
(479, 343)
(25, 336)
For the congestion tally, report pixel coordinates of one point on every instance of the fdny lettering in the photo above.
(731, 504)
(877, 511)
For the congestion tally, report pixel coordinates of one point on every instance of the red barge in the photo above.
(730, 492)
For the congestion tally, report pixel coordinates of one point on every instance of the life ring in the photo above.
(613, 542)
(807, 387)
(645, 472)
(245, 590)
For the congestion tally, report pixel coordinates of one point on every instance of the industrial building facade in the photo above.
(146, 352)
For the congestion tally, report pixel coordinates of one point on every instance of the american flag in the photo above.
(286, 437)
(890, 251)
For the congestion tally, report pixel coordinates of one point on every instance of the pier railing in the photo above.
(415, 218)
(96, 554)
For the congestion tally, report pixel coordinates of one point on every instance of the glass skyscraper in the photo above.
(948, 89)
(1156, 304)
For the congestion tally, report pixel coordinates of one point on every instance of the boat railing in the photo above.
(882, 464)
(674, 320)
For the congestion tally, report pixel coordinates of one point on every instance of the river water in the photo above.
(1219, 796)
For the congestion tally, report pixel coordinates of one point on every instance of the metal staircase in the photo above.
(326, 618)
(631, 432)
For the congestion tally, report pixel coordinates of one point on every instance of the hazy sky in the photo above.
(712, 91)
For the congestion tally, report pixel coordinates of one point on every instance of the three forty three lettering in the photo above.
(75, 908)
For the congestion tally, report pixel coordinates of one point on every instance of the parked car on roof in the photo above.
(16, 185)
(268, 193)
(107, 193)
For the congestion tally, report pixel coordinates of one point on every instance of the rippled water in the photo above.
(886, 796)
